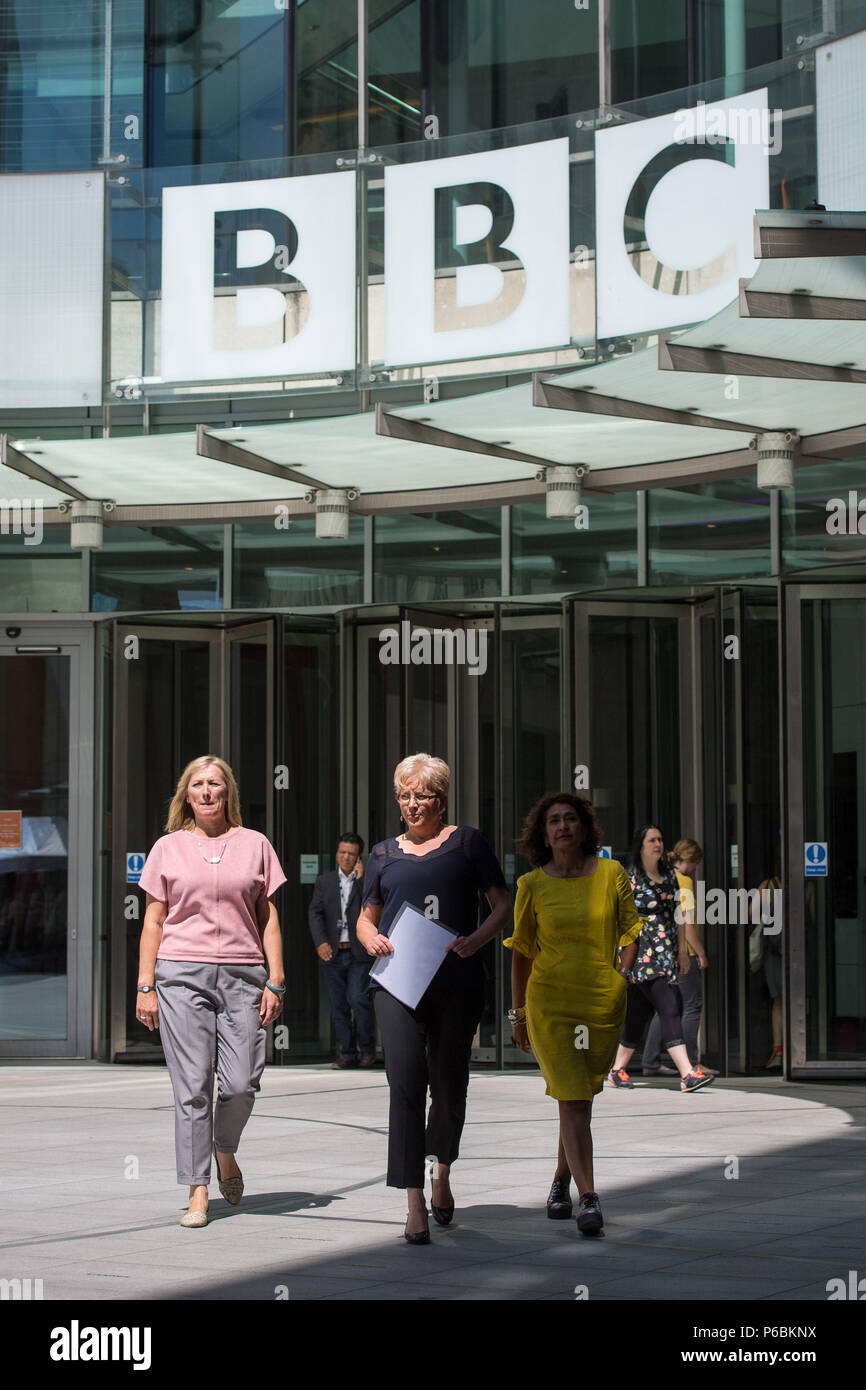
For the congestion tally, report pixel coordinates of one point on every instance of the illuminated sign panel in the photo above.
(688, 184)
(477, 254)
(258, 278)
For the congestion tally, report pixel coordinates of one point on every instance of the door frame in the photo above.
(75, 640)
(799, 1067)
(220, 634)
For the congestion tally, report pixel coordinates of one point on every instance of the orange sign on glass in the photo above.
(10, 829)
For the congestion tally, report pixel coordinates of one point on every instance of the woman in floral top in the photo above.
(661, 953)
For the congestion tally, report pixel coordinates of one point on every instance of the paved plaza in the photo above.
(747, 1190)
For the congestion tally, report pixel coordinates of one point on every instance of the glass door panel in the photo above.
(34, 844)
(834, 764)
(166, 714)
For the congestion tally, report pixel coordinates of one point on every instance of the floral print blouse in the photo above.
(657, 951)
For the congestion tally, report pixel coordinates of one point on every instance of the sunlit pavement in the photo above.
(745, 1190)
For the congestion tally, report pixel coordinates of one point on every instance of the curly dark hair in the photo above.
(531, 843)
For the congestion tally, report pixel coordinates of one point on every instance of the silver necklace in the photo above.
(211, 859)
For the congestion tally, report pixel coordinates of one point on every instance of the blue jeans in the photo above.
(691, 987)
(348, 985)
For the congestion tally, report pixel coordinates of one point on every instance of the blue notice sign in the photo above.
(134, 866)
(815, 858)
(605, 852)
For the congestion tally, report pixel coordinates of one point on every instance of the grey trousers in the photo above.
(209, 1023)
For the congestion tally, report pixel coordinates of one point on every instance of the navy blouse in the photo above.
(443, 884)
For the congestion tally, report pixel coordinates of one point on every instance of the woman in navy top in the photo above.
(439, 869)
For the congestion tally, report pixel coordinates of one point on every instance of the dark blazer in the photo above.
(324, 914)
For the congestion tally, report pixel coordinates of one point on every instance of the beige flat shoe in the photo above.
(194, 1218)
(231, 1188)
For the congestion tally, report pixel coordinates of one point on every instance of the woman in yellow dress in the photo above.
(574, 912)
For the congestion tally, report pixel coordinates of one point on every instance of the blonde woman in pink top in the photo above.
(210, 971)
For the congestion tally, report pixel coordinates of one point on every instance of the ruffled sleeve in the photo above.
(525, 937)
(628, 922)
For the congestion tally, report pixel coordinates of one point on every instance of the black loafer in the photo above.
(590, 1219)
(559, 1206)
(442, 1215)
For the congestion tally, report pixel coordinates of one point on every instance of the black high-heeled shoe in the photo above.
(417, 1237)
(442, 1215)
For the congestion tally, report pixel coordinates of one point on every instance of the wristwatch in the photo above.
(516, 1016)
(146, 989)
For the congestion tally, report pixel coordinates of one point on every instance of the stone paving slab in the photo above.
(91, 1203)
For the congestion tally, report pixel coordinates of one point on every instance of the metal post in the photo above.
(604, 65)
(107, 81)
(228, 563)
(735, 44)
(362, 258)
(642, 539)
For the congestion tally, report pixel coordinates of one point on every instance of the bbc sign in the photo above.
(259, 278)
(477, 250)
(273, 245)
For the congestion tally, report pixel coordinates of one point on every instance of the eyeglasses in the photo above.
(405, 797)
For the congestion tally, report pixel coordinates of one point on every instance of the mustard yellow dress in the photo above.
(571, 928)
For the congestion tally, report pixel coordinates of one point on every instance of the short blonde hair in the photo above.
(433, 772)
(179, 813)
(687, 850)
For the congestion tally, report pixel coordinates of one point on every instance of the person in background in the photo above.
(771, 959)
(661, 956)
(333, 917)
(686, 855)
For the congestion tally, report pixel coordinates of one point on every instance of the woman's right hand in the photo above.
(379, 945)
(520, 1037)
(146, 1010)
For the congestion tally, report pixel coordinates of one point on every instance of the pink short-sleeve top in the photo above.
(211, 913)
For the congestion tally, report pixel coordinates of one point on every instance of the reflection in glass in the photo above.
(43, 578)
(820, 526)
(552, 555)
(157, 568)
(710, 532)
(437, 555)
(289, 568)
(34, 794)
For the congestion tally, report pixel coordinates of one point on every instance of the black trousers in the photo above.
(659, 996)
(427, 1046)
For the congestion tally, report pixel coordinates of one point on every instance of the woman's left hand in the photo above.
(270, 1006)
(465, 946)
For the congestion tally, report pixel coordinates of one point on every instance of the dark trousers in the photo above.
(428, 1046)
(691, 988)
(659, 996)
(348, 985)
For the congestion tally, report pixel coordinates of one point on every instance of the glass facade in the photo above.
(607, 644)
(157, 568)
(711, 531)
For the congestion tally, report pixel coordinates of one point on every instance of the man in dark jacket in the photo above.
(333, 917)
